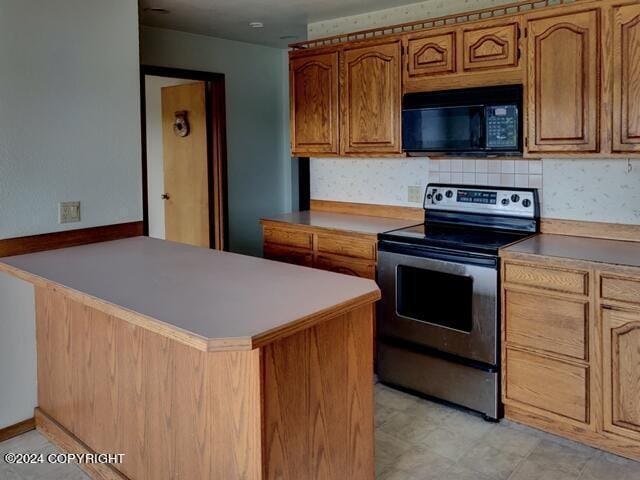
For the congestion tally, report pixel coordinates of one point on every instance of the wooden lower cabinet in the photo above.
(571, 350)
(347, 253)
(621, 372)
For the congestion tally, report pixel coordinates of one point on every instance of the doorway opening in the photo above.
(184, 156)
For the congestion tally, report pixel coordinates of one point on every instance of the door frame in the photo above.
(216, 147)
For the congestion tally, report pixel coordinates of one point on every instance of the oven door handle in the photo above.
(466, 258)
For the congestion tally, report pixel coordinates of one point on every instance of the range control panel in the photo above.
(477, 199)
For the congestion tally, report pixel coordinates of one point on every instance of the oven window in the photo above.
(435, 297)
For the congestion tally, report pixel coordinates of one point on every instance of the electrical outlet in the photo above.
(414, 194)
(68, 212)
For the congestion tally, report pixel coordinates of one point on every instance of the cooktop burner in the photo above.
(452, 237)
(472, 218)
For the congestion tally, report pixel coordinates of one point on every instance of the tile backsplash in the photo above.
(598, 190)
(386, 181)
(507, 173)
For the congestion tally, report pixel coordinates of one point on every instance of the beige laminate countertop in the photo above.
(613, 252)
(364, 224)
(225, 300)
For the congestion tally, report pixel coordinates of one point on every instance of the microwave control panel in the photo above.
(502, 126)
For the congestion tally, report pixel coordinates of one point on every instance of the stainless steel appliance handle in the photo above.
(466, 258)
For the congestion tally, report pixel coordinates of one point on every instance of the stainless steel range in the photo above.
(438, 321)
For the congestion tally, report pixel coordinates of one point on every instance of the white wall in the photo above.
(578, 189)
(70, 123)
(258, 163)
(155, 156)
(397, 15)
(69, 130)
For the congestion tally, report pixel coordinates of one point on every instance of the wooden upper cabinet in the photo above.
(490, 47)
(563, 83)
(371, 93)
(621, 364)
(314, 112)
(626, 78)
(433, 54)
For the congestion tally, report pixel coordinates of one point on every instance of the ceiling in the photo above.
(230, 18)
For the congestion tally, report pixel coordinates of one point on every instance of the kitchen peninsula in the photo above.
(202, 364)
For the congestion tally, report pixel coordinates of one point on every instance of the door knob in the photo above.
(165, 196)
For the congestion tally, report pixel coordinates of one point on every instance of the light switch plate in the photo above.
(414, 194)
(68, 212)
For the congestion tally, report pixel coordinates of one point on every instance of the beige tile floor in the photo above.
(421, 440)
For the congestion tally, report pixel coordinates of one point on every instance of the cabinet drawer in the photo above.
(346, 265)
(294, 238)
(549, 324)
(547, 384)
(548, 278)
(621, 289)
(296, 256)
(348, 246)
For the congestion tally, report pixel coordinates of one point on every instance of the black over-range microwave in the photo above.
(476, 121)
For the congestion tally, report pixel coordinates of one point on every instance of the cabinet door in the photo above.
(490, 47)
(371, 99)
(313, 106)
(621, 364)
(431, 54)
(563, 83)
(626, 78)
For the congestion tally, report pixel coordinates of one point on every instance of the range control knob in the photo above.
(505, 201)
(439, 197)
(515, 198)
(526, 203)
(449, 194)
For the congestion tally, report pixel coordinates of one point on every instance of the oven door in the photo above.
(440, 300)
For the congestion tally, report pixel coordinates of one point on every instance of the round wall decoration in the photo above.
(181, 124)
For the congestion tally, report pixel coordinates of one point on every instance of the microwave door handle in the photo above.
(478, 128)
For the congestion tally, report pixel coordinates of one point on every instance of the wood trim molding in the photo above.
(609, 231)
(17, 429)
(578, 228)
(69, 238)
(67, 442)
(386, 211)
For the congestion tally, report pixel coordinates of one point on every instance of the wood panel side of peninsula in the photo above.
(300, 407)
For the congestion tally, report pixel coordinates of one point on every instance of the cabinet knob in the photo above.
(165, 196)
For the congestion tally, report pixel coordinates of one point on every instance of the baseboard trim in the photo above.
(578, 228)
(371, 210)
(69, 443)
(19, 428)
(69, 238)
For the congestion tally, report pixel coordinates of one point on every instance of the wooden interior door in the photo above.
(314, 104)
(563, 83)
(621, 365)
(186, 183)
(626, 78)
(371, 91)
